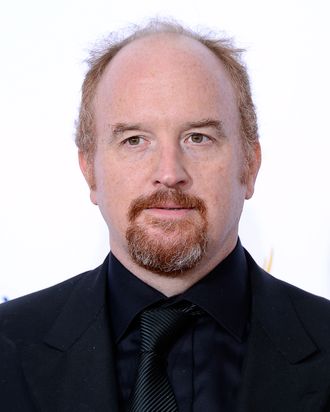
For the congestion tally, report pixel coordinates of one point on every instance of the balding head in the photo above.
(219, 47)
(167, 71)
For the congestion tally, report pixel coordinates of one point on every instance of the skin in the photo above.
(166, 118)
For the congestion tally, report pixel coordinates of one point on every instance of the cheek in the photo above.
(116, 187)
(107, 186)
(224, 192)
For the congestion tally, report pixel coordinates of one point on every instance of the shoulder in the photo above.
(29, 316)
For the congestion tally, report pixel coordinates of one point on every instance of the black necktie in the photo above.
(159, 328)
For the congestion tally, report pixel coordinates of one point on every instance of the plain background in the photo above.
(49, 231)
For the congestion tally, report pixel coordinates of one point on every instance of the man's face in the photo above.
(169, 159)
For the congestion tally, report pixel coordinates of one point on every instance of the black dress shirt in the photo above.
(205, 363)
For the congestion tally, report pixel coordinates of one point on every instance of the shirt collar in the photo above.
(223, 293)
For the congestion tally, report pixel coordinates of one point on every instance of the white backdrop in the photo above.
(48, 229)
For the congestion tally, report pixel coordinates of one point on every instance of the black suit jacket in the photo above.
(56, 351)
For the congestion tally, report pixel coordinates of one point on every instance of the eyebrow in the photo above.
(217, 124)
(120, 128)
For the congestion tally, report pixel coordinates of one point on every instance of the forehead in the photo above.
(172, 72)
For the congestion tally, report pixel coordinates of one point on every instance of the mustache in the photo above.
(161, 198)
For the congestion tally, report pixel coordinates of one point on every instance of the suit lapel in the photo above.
(72, 369)
(275, 376)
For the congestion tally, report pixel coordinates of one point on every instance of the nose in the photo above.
(170, 170)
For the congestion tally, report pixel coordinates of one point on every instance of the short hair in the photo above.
(221, 47)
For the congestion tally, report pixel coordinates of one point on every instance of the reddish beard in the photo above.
(183, 241)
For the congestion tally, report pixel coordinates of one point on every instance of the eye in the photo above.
(133, 140)
(198, 138)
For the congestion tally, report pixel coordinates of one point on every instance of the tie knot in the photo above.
(161, 325)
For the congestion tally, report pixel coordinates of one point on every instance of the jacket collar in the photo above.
(72, 368)
(274, 373)
(273, 308)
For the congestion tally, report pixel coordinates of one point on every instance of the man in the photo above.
(168, 144)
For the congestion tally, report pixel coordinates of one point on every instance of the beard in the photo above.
(183, 241)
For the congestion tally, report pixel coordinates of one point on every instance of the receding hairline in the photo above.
(127, 35)
(165, 47)
(166, 38)
(219, 45)
(156, 27)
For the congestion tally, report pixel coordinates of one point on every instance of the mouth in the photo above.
(169, 208)
(169, 211)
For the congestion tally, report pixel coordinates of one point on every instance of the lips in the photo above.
(169, 207)
(168, 212)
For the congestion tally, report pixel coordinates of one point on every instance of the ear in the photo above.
(254, 163)
(87, 167)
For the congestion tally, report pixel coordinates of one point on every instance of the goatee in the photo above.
(180, 243)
